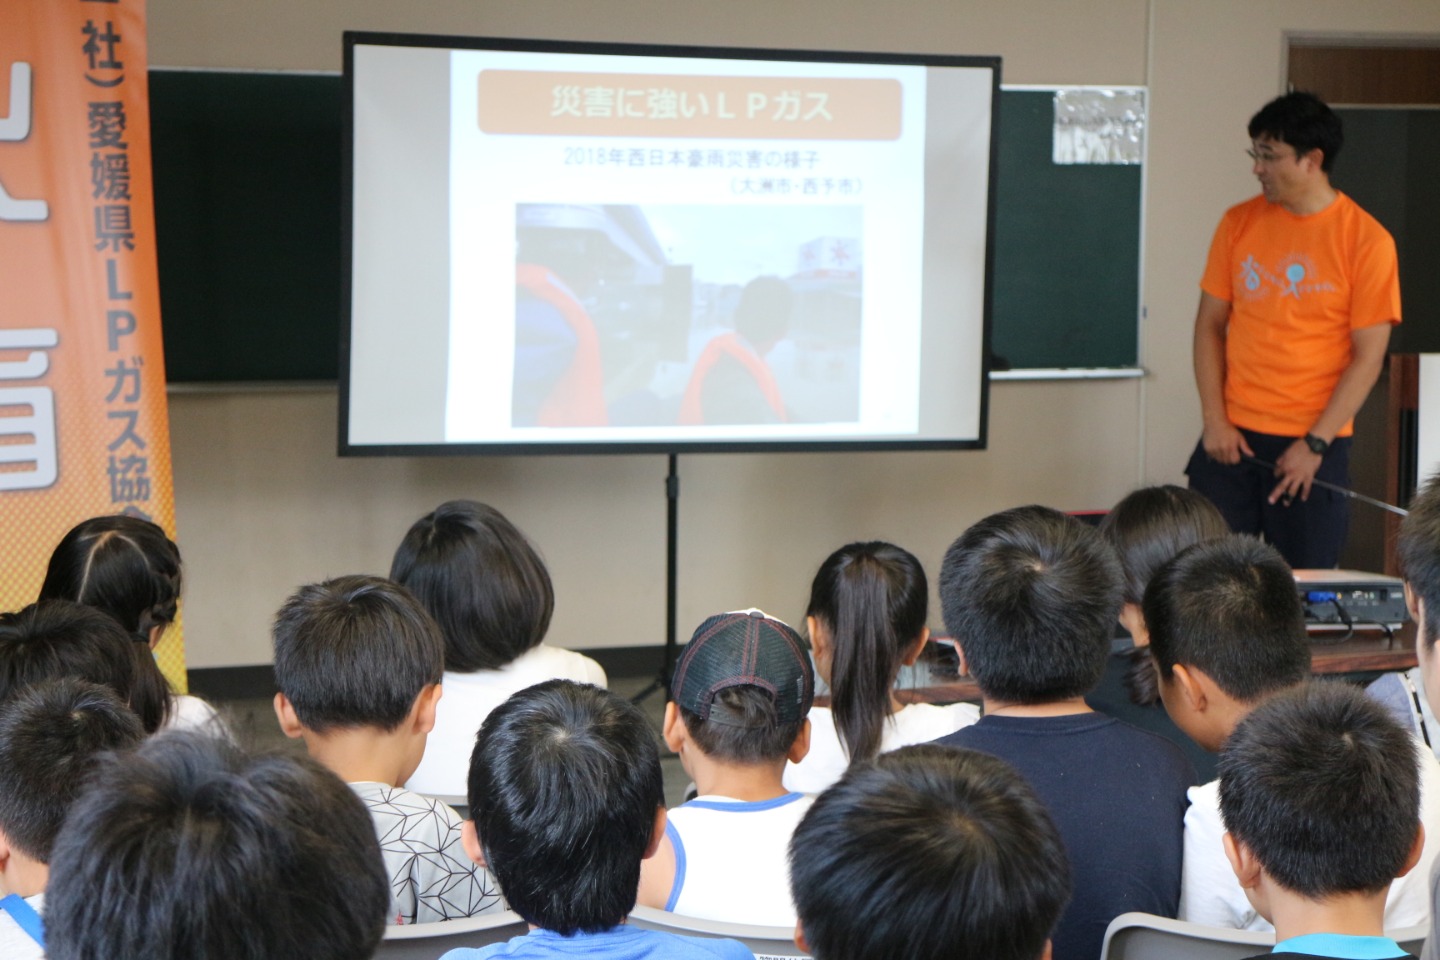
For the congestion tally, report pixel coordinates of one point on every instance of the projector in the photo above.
(1340, 599)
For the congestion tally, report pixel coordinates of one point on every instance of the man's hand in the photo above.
(1296, 470)
(1224, 443)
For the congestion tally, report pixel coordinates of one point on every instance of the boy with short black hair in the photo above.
(567, 799)
(1031, 597)
(1326, 756)
(189, 847)
(50, 737)
(358, 664)
(928, 853)
(1227, 631)
(739, 697)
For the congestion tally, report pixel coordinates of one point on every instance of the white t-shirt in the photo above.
(15, 943)
(914, 723)
(731, 858)
(193, 714)
(468, 699)
(1210, 894)
(431, 876)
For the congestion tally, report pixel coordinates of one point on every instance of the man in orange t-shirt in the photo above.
(1298, 297)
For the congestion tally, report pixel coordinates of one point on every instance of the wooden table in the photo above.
(1368, 651)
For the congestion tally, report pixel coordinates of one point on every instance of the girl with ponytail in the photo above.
(866, 619)
(128, 568)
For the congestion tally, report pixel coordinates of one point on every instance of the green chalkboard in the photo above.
(1067, 249)
(248, 207)
(247, 223)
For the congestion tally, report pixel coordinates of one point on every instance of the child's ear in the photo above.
(423, 713)
(657, 833)
(289, 721)
(801, 746)
(912, 653)
(470, 840)
(1191, 686)
(1412, 603)
(800, 940)
(672, 728)
(1242, 861)
(964, 667)
(1048, 952)
(1416, 849)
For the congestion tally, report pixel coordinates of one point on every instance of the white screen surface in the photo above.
(567, 249)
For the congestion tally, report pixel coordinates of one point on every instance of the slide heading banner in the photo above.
(659, 105)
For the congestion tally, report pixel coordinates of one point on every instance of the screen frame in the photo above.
(353, 39)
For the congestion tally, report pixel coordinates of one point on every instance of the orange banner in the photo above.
(83, 423)
(652, 105)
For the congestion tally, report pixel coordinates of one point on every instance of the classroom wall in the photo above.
(264, 504)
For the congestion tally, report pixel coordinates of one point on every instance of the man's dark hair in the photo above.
(50, 737)
(928, 853)
(1304, 122)
(481, 579)
(564, 785)
(1153, 524)
(1230, 608)
(753, 735)
(1419, 552)
(1323, 786)
(188, 847)
(1031, 596)
(58, 638)
(355, 652)
(763, 313)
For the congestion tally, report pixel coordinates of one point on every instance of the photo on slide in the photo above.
(688, 314)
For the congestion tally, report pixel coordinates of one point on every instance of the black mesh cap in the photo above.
(744, 648)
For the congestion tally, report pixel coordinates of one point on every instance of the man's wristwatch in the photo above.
(1315, 444)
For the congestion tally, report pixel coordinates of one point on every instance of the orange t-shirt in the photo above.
(1297, 288)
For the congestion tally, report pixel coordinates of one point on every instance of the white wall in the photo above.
(264, 504)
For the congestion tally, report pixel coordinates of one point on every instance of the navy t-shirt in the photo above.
(1117, 795)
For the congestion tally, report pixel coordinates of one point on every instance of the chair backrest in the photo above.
(764, 942)
(426, 941)
(1144, 936)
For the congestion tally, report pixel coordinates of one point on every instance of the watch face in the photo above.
(1315, 444)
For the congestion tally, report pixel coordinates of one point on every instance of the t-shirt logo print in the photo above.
(1289, 280)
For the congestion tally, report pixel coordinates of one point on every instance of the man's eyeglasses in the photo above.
(1260, 156)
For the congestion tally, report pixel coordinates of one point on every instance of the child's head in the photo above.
(1031, 596)
(742, 687)
(123, 565)
(1319, 789)
(928, 853)
(50, 737)
(190, 847)
(866, 619)
(566, 797)
(481, 580)
(1419, 552)
(1225, 624)
(355, 651)
(57, 638)
(1153, 524)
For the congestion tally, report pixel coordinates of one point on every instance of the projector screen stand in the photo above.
(672, 539)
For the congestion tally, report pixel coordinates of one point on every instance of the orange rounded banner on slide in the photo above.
(84, 429)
